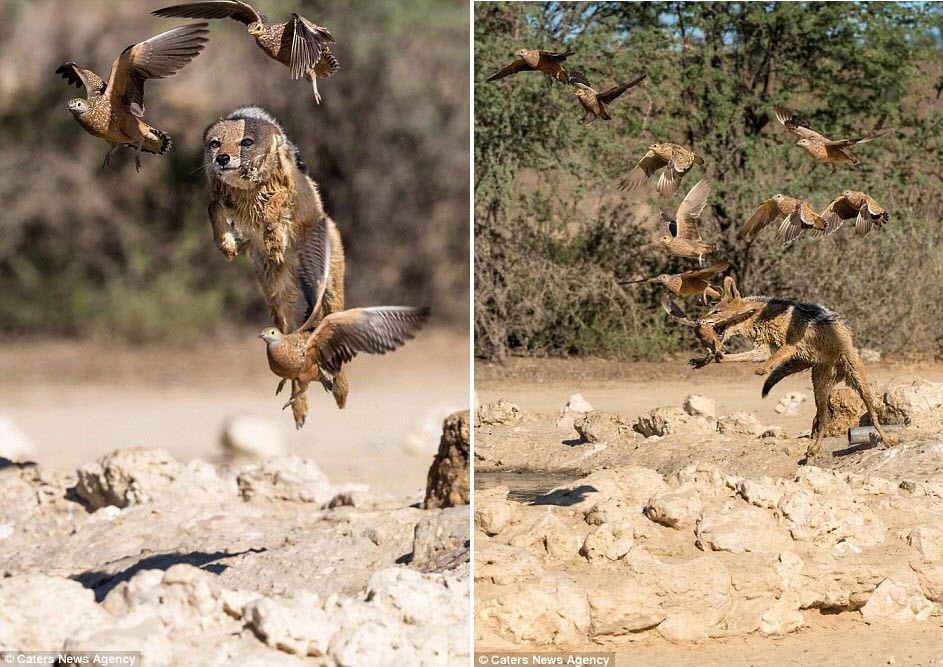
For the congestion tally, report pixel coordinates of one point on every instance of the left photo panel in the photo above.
(234, 332)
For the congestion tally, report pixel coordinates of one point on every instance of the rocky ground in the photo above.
(267, 563)
(693, 528)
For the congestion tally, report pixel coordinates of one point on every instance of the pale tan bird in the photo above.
(299, 44)
(797, 216)
(688, 283)
(548, 62)
(850, 204)
(821, 148)
(677, 161)
(683, 238)
(594, 102)
(113, 111)
(705, 333)
(317, 350)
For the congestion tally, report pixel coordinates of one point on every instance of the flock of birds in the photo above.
(113, 110)
(684, 239)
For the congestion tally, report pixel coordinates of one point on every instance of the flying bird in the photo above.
(595, 102)
(689, 283)
(548, 62)
(850, 204)
(114, 110)
(797, 216)
(704, 332)
(299, 43)
(677, 161)
(683, 238)
(821, 148)
(321, 345)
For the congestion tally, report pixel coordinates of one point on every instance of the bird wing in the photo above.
(648, 165)
(812, 219)
(791, 227)
(675, 311)
(610, 94)
(519, 65)
(577, 76)
(314, 269)
(670, 222)
(307, 44)
(341, 336)
(80, 78)
(762, 216)
(156, 58)
(707, 272)
(213, 9)
(841, 143)
(691, 208)
(839, 209)
(559, 56)
(795, 123)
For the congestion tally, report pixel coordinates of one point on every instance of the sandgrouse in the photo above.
(677, 161)
(320, 346)
(850, 204)
(797, 216)
(821, 148)
(594, 102)
(547, 62)
(299, 43)
(689, 283)
(113, 111)
(683, 238)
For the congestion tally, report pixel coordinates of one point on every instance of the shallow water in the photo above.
(525, 487)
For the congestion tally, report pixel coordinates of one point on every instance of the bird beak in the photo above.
(261, 335)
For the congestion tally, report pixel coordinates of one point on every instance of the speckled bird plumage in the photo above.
(114, 110)
(820, 147)
(798, 216)
(299, 44)
(677, 161)
(683, 238)
(593, 101)
(688, 283)
(853, 204)
(532, 60)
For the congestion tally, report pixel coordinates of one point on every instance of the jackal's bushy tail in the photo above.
(789, 367)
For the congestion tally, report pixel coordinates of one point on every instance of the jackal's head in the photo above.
(242, 150)
(732, 309)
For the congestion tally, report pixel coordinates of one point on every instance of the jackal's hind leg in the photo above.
(857, 381)
(822, 382)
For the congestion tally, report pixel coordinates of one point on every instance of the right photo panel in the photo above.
(708, 333)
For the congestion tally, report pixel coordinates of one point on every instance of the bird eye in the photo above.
(246, 142)
(214, 144)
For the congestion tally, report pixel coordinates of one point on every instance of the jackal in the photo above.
(799, 336)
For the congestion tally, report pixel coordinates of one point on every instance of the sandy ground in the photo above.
(77, 401)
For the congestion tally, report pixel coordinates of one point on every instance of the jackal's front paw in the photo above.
(228, 246)
(276, 242)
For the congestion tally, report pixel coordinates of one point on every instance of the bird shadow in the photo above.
(564, 497)
(7, 463)
(102, 582)
(852, 449)
(573, 442)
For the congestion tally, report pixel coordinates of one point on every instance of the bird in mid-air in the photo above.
(688, 283)
(114, 110)
(593, 101)
(821, 148)
(850, 204)
(798, 215)
(683, 238)
(677, 161)
(298, 43)
(548, 62)
(321, 345)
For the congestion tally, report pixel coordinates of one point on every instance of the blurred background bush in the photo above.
(86, 252)
(553, 234)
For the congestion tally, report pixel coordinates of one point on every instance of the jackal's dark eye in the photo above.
(246, 142)
(214, 144)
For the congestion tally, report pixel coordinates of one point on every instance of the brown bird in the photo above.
(113, 111)
(821, 148)
(797, 216)
(547, 62)
(689, 283)
(704, 332)
(299, 43)
(319, 347)
(683, 238)
(849, 204)
(677, 161)
(595, 102)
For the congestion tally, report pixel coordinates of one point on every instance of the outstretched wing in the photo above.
(213, 9)
(79, 78)
(314, 270)
(841, 143)
(519, 65)
(838, 210)
(156, 58)
(675, 311)
(648, 165)
(691, 208)
(341, 336)
(558, 56)
(762, 216)
(707, 272)
(577, 76)
(610, 94)
(795, 123)
(307, 44)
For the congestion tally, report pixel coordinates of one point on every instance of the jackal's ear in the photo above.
(730, 289)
